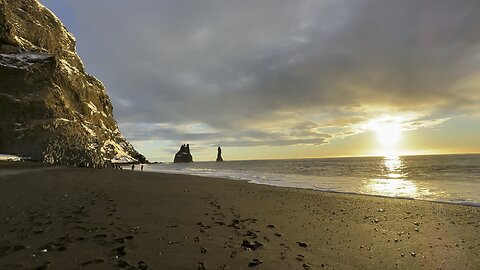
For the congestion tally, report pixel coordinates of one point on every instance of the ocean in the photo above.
(445, 178)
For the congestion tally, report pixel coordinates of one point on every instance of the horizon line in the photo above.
(327, 157)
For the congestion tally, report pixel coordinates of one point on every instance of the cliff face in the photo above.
(50, 108)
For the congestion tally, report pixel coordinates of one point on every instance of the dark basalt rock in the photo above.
(183, 155)
(51, 109)
(254, 263)
(219, 155)
(251, 245)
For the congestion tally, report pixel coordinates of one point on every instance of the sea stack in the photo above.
(52, 110)
(219, 155)
(183, 155)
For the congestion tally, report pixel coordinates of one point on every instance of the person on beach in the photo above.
(141, 168)
(133, 167)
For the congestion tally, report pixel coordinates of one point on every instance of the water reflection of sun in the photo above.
(393, 165)
(393, 187)
(394, 184)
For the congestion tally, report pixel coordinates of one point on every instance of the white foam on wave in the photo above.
(340, 184)
(6, 157)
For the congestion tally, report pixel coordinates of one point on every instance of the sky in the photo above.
(274, 79)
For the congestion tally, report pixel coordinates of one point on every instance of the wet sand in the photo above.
(74, 218)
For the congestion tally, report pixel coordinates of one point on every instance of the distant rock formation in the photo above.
(183, 155)
(219, 155)
(51, 109)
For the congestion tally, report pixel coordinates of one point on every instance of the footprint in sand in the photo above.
(42, 267)
(120, 251)
(7, 249)
(96, 261)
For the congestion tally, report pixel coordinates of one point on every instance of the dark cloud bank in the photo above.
(275, 72)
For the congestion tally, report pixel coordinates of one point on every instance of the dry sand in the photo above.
(68, 218)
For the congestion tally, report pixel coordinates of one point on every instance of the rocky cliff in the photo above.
(50, 108)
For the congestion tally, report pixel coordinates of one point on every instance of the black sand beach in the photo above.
(69, 218)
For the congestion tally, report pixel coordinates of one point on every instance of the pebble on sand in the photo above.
(302, 244)
(254, 245)
(255, 262)
(200, 266)
(142, 265)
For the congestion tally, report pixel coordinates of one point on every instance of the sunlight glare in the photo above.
(392, 187)
(388, 133)
(387, 129)
(394, 164)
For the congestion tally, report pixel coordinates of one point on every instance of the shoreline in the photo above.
(40, 167)
(79, 218)
(464, 203)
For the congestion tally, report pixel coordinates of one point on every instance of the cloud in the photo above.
(301, 134)
(251, 71)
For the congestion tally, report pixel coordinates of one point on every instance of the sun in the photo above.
(388, 130)
(388, 134)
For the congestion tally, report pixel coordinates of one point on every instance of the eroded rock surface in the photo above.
(183, 155)
(51, 109)
(219, 155)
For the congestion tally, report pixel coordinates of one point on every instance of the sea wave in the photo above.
(412, 178)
